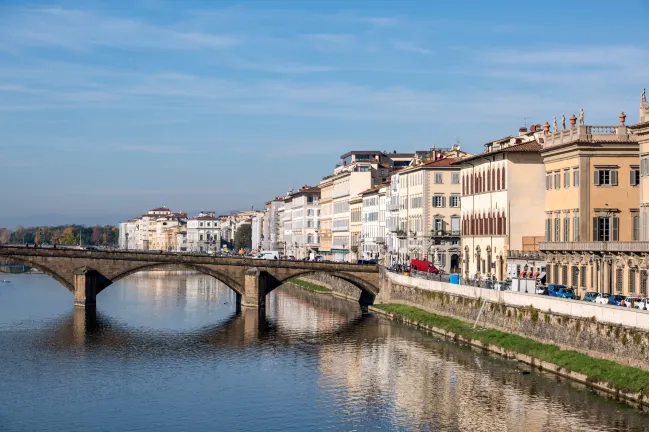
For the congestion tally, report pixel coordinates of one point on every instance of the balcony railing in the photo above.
(624, 246)
(445, 233)
(586, 133)
(340, 228)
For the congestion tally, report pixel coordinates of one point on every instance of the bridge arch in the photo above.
(220, 276)
(69, 284)
(368, 290)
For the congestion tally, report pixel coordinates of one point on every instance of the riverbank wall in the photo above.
(608, 332)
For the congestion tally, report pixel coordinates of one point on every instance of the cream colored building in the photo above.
(502, 202)
(326, 217)
(428, 196)
(356, 227)
(167, 227)
(593, 200)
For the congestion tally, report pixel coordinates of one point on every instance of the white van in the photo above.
(268, 255)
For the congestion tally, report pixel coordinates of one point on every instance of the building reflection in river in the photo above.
(356, 371)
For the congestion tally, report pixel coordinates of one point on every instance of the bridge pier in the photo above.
(255, 282)
(86, 285)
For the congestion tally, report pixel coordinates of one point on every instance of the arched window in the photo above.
(490, 231)
(488, 182)
(472, 224)
(463, 185)
(493, 179)
(472, 183)
(503, 179)
(504, 224)
(498, 178)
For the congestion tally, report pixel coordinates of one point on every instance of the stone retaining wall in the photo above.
(530, 316)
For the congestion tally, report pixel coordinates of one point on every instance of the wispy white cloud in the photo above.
(411, 47)
(79, 30)
(380, 21)
(156, 149)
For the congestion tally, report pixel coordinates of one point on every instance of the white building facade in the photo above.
(203, 233)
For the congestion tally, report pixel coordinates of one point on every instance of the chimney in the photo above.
(522, 130)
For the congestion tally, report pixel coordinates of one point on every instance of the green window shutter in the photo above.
(595, 237)
(613, 177)
(596, 177)
(616, 228)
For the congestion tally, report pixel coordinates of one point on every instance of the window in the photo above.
(575, 276)
(455, 200)
(636, 228)
(575, 178)
(200, 237)
(557, 180)
(605, 177)
(564, 275)
(605, 228)
(557, 230)
(632, 280)
(566, 229)
(575, 228)
(548, 230)
(566, 179)
(548, 181)
(455, 225)
(635, 177)
(643, 283)
(582, 277)
(438, 178)
(439, 201)
(200, 224)
(455, 178)
(619, 275)
(438, 225)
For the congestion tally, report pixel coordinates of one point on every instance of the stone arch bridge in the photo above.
(87, 273)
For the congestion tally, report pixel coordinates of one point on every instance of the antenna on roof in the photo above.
(525, 121)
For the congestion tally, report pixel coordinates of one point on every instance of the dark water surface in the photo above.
(167, 351)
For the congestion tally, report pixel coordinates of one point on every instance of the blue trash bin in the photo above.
(454, 279)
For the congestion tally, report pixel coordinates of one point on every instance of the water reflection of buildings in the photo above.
(440, 386)
(191, 290)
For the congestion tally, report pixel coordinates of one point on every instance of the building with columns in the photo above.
(595, 231)
(502, 202)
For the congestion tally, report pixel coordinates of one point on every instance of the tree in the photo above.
(5, 235)
(68, 237)
(97, 236)
(243, 237)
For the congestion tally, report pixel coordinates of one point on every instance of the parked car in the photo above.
(567, 293)
(631, 301)
(268, 255)
(641, 304)
(541, 290)
(602, 298)
(553, 289)
(366, 262)
(423, 266)
(616, 300)
(590, 296)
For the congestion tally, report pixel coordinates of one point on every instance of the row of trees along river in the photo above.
(106, 235)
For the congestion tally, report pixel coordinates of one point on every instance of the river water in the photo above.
(168, 351)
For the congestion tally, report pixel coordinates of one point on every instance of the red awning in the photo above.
(522, 274)
(535, 275)
(528, 274)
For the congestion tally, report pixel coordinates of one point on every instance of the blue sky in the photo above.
(110, 108)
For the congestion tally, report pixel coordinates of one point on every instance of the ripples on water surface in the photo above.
(167, 351)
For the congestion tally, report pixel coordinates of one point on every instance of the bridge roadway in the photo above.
(86, 273)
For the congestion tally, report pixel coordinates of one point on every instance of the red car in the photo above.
(423, 266)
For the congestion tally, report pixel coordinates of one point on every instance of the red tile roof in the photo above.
(210, 218)
(439, 163)
(531, 147)
(160, 209)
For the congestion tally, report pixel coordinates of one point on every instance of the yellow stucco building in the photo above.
(592, 218)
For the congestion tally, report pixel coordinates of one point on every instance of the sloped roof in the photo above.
(528, 147)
